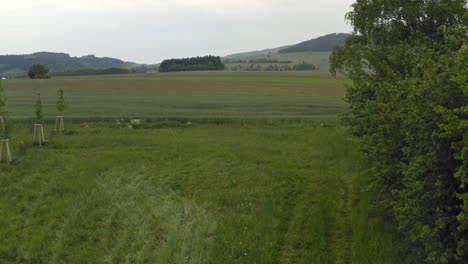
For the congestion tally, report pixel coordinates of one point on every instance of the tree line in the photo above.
(274, 67)
(84, 72)
(408, 107)
(259, 61)
(39, 71)
(207, 63)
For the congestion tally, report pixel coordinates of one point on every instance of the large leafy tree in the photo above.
(38, 71)
(407, 60)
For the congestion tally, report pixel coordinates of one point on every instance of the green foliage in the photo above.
(39, 118)
(38, 71)
(408, 102)
(61, 106)
(454, 125)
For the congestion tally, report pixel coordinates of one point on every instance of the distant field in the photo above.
(218, 95)
(319, 59)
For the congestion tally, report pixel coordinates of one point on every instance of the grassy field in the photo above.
(195, 96)
(201, 194)
(177, 192)
(320, 59)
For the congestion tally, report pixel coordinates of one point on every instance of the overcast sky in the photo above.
(148, 31)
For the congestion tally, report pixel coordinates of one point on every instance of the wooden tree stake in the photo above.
(59, 124)
(8, 152)
(39, 130)
(3, 123)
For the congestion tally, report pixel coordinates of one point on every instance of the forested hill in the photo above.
(57, 62)
(324, 43)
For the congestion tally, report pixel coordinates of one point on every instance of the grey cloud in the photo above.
(150, 31)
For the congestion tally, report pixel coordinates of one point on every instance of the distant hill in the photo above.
(316, 51)
(18, 65)
(321, 44)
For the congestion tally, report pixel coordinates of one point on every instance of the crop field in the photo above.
(195, 96)
(319, 59)
(277, 181)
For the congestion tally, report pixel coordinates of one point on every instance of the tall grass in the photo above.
(192, 194)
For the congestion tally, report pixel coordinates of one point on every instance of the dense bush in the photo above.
(407, 60)
(207, 63)
(38, 71)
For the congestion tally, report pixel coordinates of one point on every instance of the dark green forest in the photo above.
(84, 72)
(206, 63)
(408, 108)
(324, 43)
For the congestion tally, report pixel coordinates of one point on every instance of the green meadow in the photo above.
(226, 168)
(320, 59)
(222, 96)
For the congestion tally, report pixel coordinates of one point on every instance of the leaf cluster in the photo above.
(39, 118)
(38, 71)
(407, 60)
(60, 104)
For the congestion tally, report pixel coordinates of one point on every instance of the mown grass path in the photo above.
(193, 194)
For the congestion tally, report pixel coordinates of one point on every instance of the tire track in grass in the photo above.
(317, 224)
(148, 213)
(284, 246)
(343, 231)
(133, 222)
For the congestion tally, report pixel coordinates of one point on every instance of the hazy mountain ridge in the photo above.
(311, 51)
(324, 43)
(57, 62)
(321, 44)
(315, 51)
